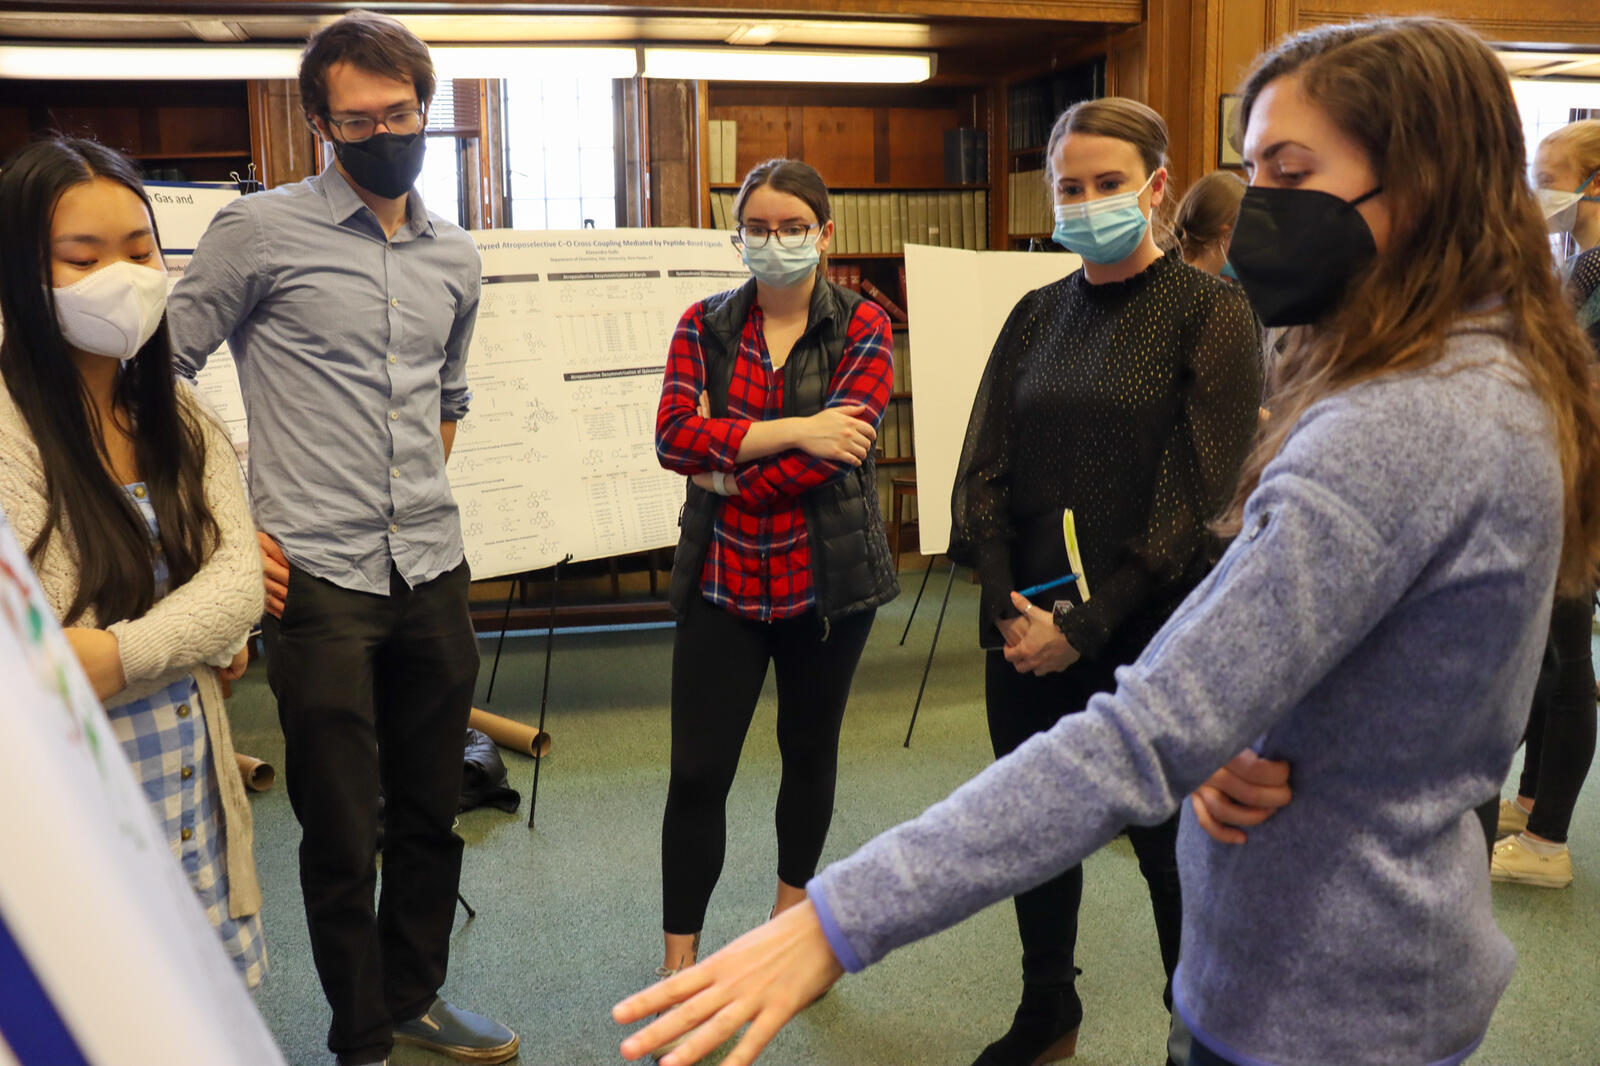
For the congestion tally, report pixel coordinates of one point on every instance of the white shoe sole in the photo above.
(1528, 879)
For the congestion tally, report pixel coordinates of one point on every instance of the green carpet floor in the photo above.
(569, 914)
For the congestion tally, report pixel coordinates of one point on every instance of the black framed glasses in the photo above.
(403, 122)
(789, 235)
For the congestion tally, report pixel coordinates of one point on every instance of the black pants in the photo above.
(1561, 725)
(719, 663)
(1019, 706)
(375, 690)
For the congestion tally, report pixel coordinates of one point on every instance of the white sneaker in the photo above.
(1513, 819)
(1514, 861)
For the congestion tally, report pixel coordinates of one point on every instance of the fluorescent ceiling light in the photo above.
(533, 61)
(229, 62)
(148, 63)
(1533, 95)
(774, 64)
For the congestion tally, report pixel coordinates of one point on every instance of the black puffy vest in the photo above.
(851, 569)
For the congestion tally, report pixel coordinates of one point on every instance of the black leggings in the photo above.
(1561, 726)
(1021, 705)
(719, 663)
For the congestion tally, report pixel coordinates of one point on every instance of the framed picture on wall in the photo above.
(1227, 120)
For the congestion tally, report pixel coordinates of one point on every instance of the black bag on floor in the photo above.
(483, 776)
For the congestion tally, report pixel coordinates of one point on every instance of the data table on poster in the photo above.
(557, 455)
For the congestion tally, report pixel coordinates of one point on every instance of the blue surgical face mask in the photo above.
(781, 267)
(1227, 270)
(1106, 230)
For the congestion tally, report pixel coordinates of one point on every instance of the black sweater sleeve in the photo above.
(981, 528)
(1198, 469)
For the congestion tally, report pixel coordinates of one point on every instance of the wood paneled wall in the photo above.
(1188, 53)
(281, 142)
(675, 152)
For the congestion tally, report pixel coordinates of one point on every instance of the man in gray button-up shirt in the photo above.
(349, 310)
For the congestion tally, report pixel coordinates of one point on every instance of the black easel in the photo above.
(938, 626)
(505, 620)
(544, 697)
(920, 589)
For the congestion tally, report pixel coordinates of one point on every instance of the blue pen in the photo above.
(1047, 586)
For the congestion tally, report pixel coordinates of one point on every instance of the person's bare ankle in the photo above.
(788, 896)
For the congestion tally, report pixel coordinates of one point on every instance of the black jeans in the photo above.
(1019, 706)
(1561, 725)
(719, 663)
(375, 691)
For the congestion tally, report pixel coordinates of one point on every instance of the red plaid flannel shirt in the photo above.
(759, 562)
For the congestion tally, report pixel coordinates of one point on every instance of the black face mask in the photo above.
(386, 164)
(1295, 250)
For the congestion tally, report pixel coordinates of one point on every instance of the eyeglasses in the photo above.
(358, 129)
(790, 235)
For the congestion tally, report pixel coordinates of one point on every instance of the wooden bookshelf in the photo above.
(199, 129)
(1030, 101)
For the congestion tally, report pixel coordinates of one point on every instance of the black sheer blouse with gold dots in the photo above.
(1133, 403)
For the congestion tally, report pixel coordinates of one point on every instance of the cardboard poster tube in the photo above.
(509, 734)
(258, 776)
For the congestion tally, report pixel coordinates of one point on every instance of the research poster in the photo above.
(557, 455)
(106, 956)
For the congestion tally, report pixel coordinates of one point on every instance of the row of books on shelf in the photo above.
(885, 222)
(1032, 106)
(894, 432)
(1031, 210)
(888, 221)
(724, 137)
(849, 277)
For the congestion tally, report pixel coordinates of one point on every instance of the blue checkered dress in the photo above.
(164, 738)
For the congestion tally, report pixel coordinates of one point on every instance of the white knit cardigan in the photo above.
(200, 624)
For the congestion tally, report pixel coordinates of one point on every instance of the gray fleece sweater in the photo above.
(1378, 624)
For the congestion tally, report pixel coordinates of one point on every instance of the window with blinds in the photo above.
(454, 109)
(453, 126)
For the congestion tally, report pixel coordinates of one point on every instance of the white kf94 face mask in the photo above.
(113, 311)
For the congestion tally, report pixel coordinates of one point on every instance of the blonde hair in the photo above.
(1207, 209)
(1124, 120)
(1580, 142)
(1467, 231)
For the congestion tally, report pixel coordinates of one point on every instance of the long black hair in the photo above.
(115, 572)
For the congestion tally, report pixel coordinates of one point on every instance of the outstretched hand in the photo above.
(762, 980)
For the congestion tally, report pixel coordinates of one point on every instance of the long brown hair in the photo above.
(109, 538)
(1433, 109)
(1125, 120)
